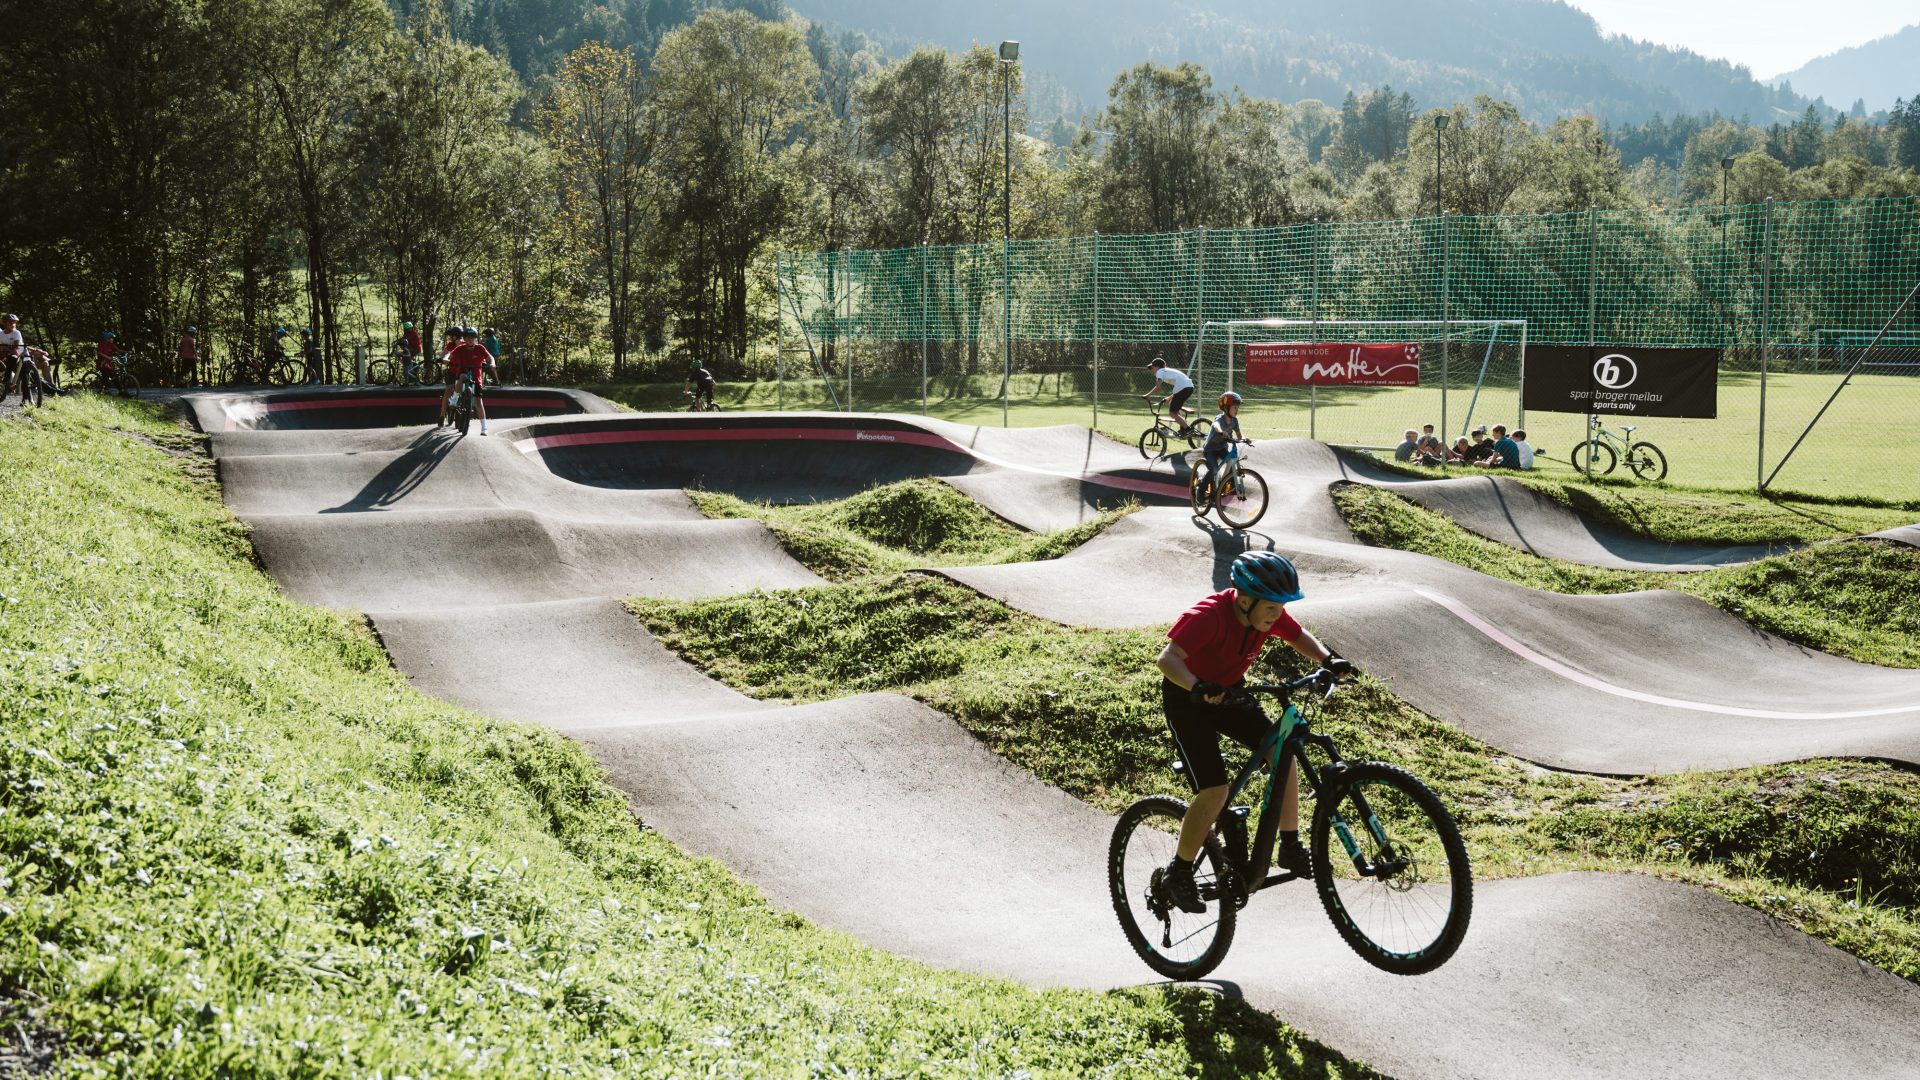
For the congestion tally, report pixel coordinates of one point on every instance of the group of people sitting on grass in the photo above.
(1487, 450)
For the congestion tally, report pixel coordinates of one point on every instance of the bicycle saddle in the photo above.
(1628, 428)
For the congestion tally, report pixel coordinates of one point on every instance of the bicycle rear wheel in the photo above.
(1175, 943)
(379, 371)
(1592, 458)
(1646, 461)
(1197, 433)
(1199, 491)
(1407, 910)
(1244, 503)
(1153, 442)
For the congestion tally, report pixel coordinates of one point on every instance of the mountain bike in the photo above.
(1239, 494)
(700, 404)
(24, 376)
(462, 404)
(1155, 440)
(1399, 888)
(115, 378)
(1597, 454)
(262, 369)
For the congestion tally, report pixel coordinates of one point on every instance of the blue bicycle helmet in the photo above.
(1267, 575)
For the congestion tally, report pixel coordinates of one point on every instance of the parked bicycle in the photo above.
(249, 368)
(1601, 450)
(1399, 889)
(1239, 494)
(1164, 432)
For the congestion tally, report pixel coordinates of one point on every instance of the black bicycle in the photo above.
(462, 404)
(1398, 888)
(1155, 440)
(700, 403)
(24, 376)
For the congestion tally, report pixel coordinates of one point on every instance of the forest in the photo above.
(609, 184)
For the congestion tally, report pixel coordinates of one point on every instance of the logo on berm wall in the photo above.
(1615, 371)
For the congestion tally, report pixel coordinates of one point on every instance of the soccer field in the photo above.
(1868, 444)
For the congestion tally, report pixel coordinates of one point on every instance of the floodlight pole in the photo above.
(1439, 125)
(1726, 305)
(1009, 55)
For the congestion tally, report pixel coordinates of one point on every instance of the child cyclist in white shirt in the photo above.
(1178, 389)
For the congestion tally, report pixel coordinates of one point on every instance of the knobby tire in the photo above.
(1162, 815)
(1378, 778)
(1247, 503)
(1647, 462)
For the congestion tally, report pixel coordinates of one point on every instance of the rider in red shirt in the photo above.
(103, 357)
(1208, 651)
(467, 356)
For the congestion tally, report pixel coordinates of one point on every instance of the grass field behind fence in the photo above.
(1867, 446)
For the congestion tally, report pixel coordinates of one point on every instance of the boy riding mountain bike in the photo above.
(1225, 432)
(1209, 651)
(1179, 388)
(468, 356)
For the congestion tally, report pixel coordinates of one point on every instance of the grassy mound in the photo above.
(1852, 599)
(899, 526)
(1832, 846)
(233, 841)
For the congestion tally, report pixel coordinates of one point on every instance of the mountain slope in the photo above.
(1544, 55)
(1879, 72)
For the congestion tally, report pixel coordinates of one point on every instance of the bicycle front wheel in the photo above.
(1646, 461)
(1244, 501)
(125, 384)
(33, 391)
(1592, 458)
(1175, 943)
(1153, 442)
(1399, 889)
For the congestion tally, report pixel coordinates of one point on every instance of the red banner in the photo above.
(1332, 363)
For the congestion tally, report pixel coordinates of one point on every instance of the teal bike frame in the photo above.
(1287, 741)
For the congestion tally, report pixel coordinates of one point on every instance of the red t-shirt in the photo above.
(412, 338)
(1219, 649)
(189, 347)
(104, 357)
(469, 356)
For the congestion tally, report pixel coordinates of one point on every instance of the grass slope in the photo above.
(1831, 846)
(1853, 599)
(233, 841)
(899, 526)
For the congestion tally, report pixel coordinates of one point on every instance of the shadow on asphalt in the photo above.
(407, 472)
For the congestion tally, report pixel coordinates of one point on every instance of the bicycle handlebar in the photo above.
(1320, 680)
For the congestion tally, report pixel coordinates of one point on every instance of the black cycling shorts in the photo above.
(1178, 399)
(1197, 728)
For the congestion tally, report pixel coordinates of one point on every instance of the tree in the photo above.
(595, 121)
(439, 155)
(734, 95)
(1161, 169)
(1373, 127)
(306, 59)
(1486, 155)
(1577, 168)
(1260, 163)
(913, 113)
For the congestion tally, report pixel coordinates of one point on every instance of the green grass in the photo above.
(233, 841)
(1830, 846)
(1852, 598)
(1862, 449)
(898, 527)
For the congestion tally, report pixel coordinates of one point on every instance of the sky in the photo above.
(1772, 37)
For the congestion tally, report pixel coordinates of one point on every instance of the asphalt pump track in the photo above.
(492, 569)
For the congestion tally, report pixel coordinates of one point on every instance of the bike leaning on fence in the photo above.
(1164, 433)
(1597, 454)
(1239, 494)
(1387, 859)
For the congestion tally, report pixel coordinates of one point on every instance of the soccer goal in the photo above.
(1363, 382)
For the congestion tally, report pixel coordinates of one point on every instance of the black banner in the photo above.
(1610, 379)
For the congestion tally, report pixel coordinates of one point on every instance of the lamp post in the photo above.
(1439, 125)
(1009, 55)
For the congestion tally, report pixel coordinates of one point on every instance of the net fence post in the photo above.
(1096, 329)
(1520, 405)
(1446, 313)
(1766, 346)
(1593, 316)
(1313, 313)
(780, 328)
(1200, 297)
(923, 328)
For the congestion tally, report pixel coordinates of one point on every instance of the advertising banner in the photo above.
(1616, 379)
(1332, 363)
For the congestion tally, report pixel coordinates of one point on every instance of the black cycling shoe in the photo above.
(1293, 858)
(1177, 883)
